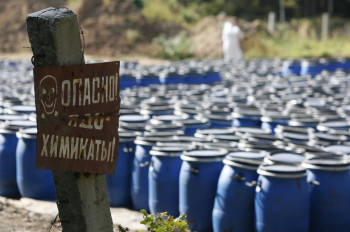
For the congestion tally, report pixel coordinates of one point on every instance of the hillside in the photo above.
(111, 29)
(170, 30)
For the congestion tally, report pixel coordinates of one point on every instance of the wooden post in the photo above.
(325, 27)
(271, 22)
(81, 198)
(282, 11)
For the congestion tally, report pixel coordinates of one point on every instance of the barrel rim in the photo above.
(200, 160)
(283, 175)
(248, 166)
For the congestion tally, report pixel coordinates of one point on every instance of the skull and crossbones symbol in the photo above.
(48, 88)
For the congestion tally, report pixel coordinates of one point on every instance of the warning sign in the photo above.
(77, 114)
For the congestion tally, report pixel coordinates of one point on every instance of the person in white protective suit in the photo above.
(231, 36)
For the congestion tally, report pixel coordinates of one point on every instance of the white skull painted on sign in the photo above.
(48, 87)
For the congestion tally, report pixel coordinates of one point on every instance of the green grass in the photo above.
(170, 11)
(287, 43)
(296, 47)
(73, 1)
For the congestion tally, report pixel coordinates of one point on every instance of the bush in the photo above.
(175, 48)
(163, 222)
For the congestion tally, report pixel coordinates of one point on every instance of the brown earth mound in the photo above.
(118, 27)
(114, 28)
(13, 33)
(111, 27)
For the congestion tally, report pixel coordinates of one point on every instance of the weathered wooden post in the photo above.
(325, 27)
(271, 22)
(70, 124)
(282, 11)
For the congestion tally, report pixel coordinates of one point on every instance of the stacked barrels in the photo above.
(237, 146)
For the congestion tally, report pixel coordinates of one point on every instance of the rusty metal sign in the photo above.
(77, 114)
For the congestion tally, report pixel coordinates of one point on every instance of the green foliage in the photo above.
(175, 48)
(138, 3)
(133, 36)
(73, 1)
(297, 39)
(163, 222)
(166, 10)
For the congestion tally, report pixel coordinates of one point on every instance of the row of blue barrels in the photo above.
(313, 67)
(18, 174)
(131, 80)
(165, 177)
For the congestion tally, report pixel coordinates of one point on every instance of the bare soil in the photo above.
(15, 219)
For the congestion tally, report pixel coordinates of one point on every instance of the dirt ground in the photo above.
(14, 219)
(30, 215)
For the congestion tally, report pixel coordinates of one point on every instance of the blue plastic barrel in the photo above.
(211, 77)
(282, 199)
(163, 179)
(32, 182)
(219, 120)
(168, 78)
(205, 133)
(329, 192)
(304, 122)
(195, 77)
(284, 158)
(170, 118)
(335, 125)
(246, 118)
(140, 167)
(234, 201)
(157, 110)
(127, 81)
(199, 175)
(118, 184)
(21, 109)
(192, 125)
(270, 122)
(8, 145)
(133, 122)
(148, 79)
